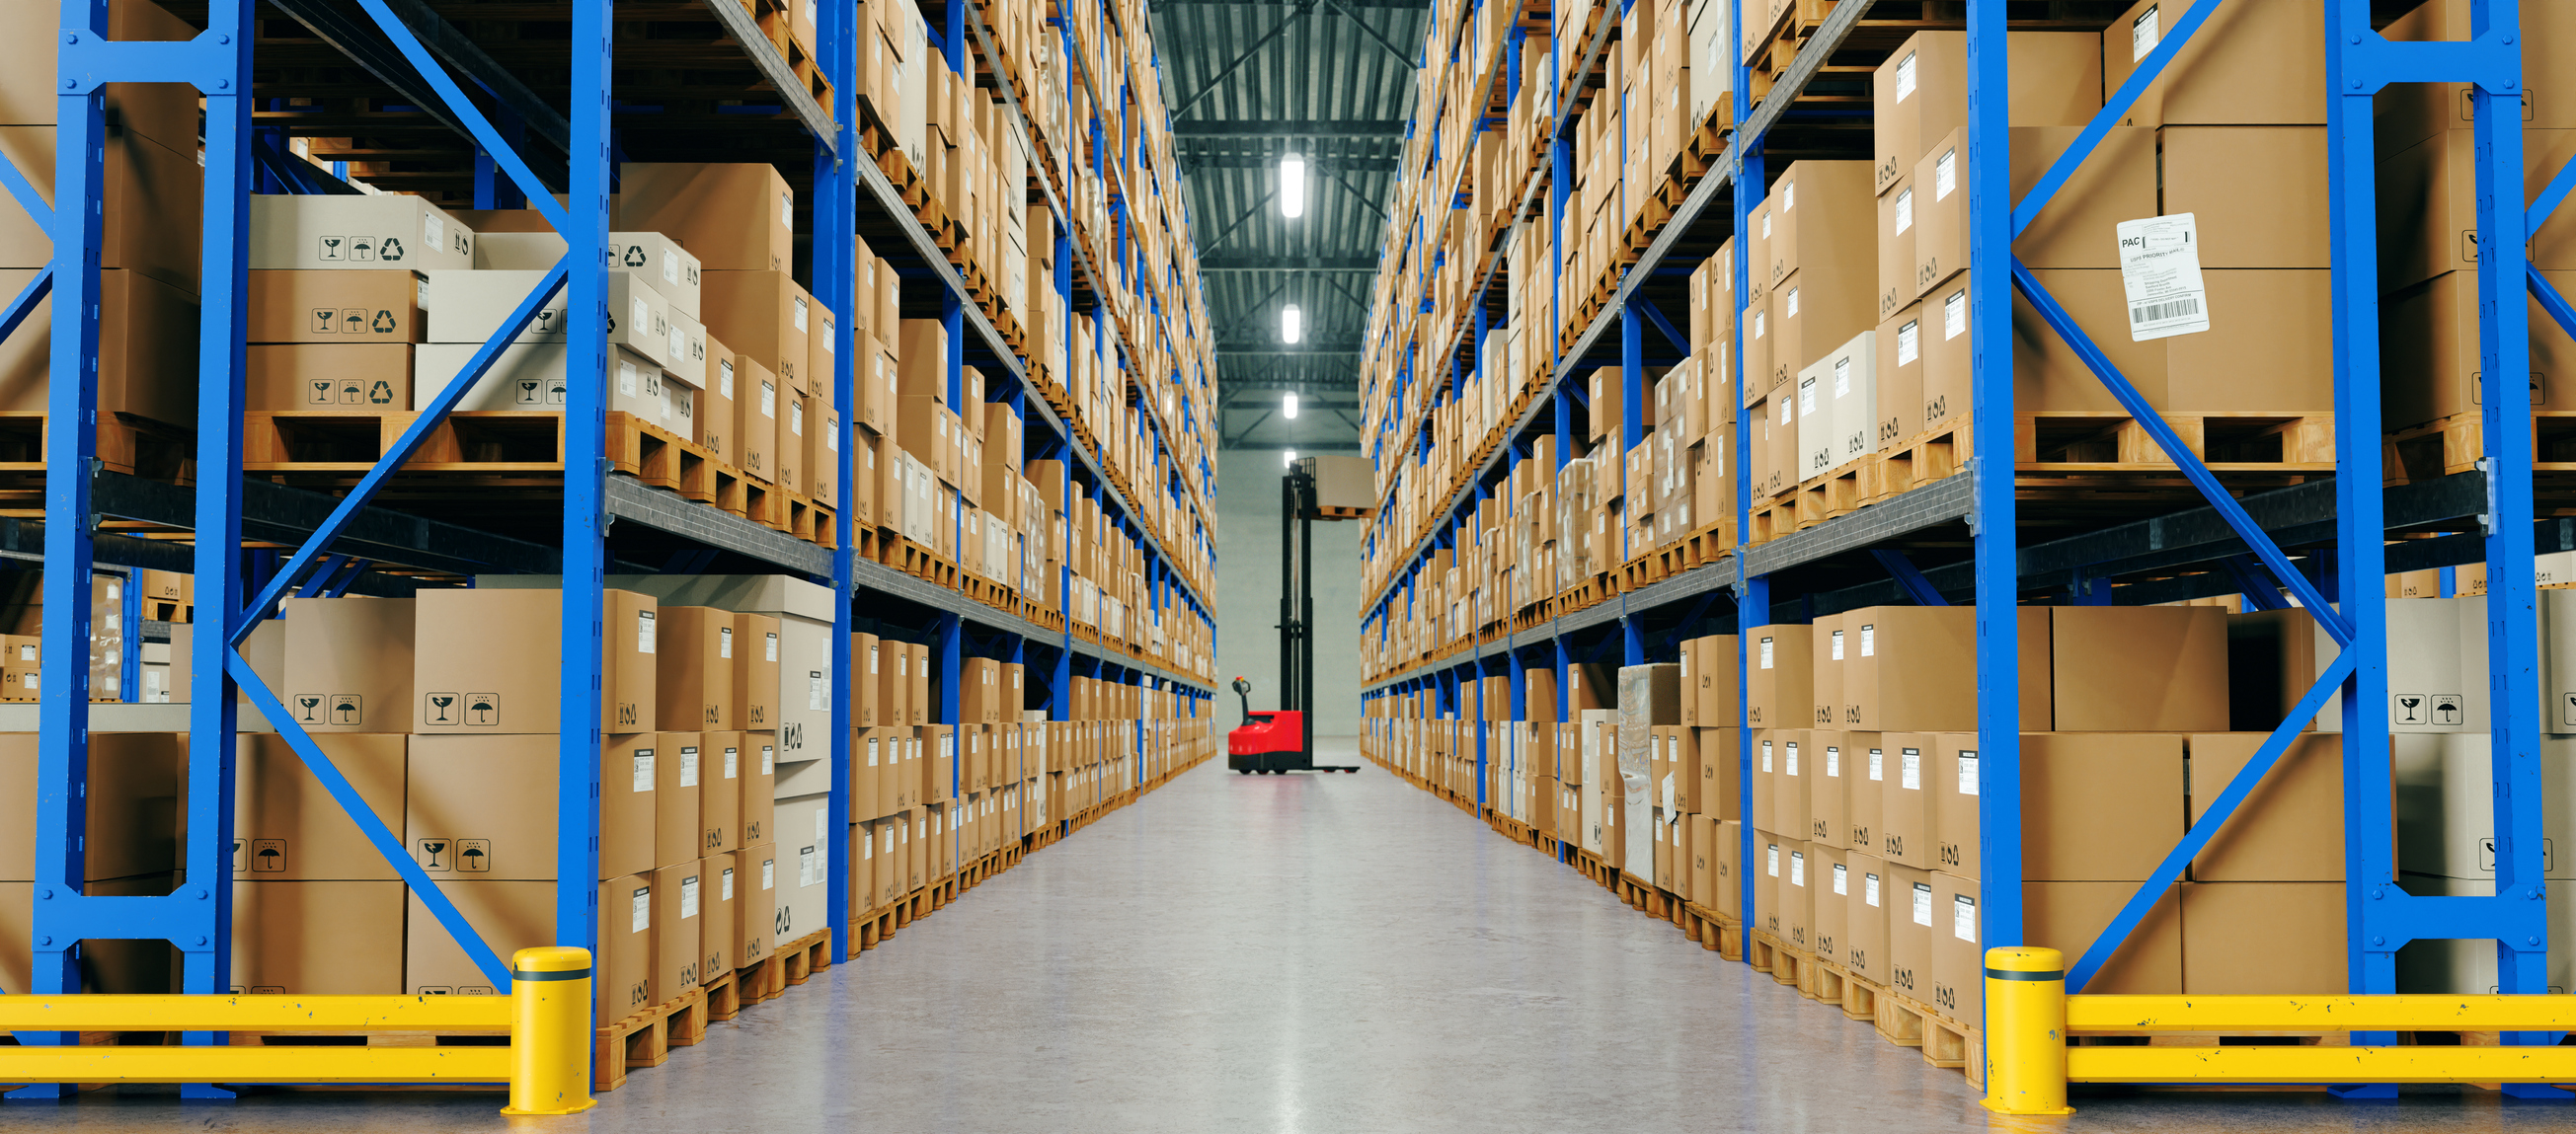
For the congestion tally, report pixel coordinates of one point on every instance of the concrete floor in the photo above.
(1302, 953)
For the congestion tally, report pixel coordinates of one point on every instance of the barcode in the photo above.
(2158, 312)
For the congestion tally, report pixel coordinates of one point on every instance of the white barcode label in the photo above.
(2160, 271)
(643, 776)
(1842, 377)
(1792, 312)
(727, 891)
(773, 648)
(643, 631)
(1922, 903)
(1905, 76)
(1878, 765)
(724, 377)
(688, 765)
(805, 863)
(1967, 773)
(1789, 761)
(1954, 315)
(1774, 860)
(1837, 638)
(1833, 761)
(1909, 769)
(769, 874)
(2145, 33)
(640, 917)
(724, 641)
(688, 898)
(1908, 344)
(798, 312)
(1842, 880)
(1766, 653)
(814, 684)
(1904, 209)
(768, 759)
(1766, 756)
(733, 763)
(1945, 174)
(1963, 917)
(1760, 323)
(1868, 639)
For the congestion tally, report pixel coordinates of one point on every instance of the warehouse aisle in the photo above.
(1302, 953)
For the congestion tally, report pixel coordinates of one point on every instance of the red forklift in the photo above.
(1283, 740)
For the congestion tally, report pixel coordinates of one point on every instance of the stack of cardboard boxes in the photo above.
(149, 245)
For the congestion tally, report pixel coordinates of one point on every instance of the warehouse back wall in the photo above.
(1247, 641)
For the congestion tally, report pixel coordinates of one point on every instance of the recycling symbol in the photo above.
(391, 249)
(384, 324)
(635, 255)
(382, 393)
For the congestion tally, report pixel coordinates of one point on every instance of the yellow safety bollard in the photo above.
(2026, 1031)
(550, 1031)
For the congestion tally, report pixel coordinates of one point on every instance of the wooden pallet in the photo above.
(1719, 933)
(1772, 520)
(724, 996)
(348, 443)
(1786, 963)
(2454, 445)
(762, 980)
(1822, 981)
(1711, 543)
(1934, 454)
(1859, 997)
(1945, 1043)
(128, 444)
(645, 1038)
(802, 958)
(2076, 441)
(1835, 494)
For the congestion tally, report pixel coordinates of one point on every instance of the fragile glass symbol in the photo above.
(439, 703)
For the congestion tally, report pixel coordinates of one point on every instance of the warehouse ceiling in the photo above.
(1330, 81)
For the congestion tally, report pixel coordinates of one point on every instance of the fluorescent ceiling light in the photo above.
(1292, 324)
(1292, 186)
(1288, 406)
(1288, 458)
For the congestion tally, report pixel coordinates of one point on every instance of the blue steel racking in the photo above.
(338, 539)
(2342, 525)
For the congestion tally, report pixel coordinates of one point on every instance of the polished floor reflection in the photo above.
(1300, 953)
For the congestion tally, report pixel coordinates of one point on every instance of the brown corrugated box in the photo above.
(679, 916)
(732, 217)
(1825, 666)
(1914, 669)
(758, 815)
(1920, 93)
(491, 660)
(457, 825)
(1829, 883)
(2168, 672)
(755, 671)
(1827, 770)
(152, 201)
(2068, 916)
(1870, 893)
(286, 826)
(1910, 924)
(1780, 673)
(334, 306)
(720, 884)
(755, 427)
(2250, 64)
(328, 376)
(721, 764)
(2300, 926)
(1958, 952)
(762, 314)
(147, 354)
(349, 663)
(695, 658)
(679, 779)
(317, 938)
(511, 916)
(1905, 798)
(2096, 806)
(2290, 829)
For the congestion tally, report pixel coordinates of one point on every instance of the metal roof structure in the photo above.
(1249, 83)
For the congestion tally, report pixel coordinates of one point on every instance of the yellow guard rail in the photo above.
(2030, 1015)
(546, 1016)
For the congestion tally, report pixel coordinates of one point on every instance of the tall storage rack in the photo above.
(431, 64)
(2342, 529)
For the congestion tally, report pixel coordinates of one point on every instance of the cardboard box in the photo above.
(755, 670)
(719, 914)
(1914, 669)
(1899, 401)
(317, 938)
(2291, 828)
(721, 781)
(1778, 690)
(758, 817)
(678, 784)
(755, 427)
(288, 827)
(456, 824)
(1958, 955)
(2445, 805)
(511, 916)
(2301, 926)
(679, 902)
(2280, 324)
(1791, 812)
(2167, 674)
(490, 660)
(1897, 286)
(695, 667)
(1825, 683)
(2069, 916)
(353, 233)
(1867, 896)
(2262, 64)
(315, 306)
(1905, 835)
(1829, 771)
(2432, 355)
(1910, 926)
(348, 663)
(1865, 771)
(152, 202)
(328, 376)
(732, 217)
(763, 314)
(30, 93)
(1920, 93)
(1829, 914)
(147, 333)
(2095, 806)
(2253, 191)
